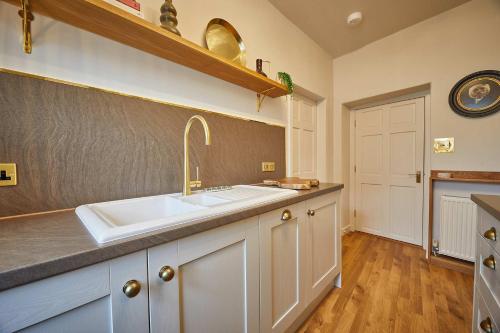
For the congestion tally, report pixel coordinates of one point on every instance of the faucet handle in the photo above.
(196, 183)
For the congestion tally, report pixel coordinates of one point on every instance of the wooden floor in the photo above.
(388, 286)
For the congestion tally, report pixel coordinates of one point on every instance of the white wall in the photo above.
(63, 52)
(438, 51)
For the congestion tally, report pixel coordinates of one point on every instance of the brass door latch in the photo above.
(418, 176)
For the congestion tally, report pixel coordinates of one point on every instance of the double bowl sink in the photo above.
(113, 220)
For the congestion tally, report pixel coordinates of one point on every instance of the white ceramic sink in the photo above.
(203, 199)
(109, 221)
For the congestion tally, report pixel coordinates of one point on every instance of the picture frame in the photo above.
(476, 95)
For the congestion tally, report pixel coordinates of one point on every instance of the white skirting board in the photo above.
(347, 229)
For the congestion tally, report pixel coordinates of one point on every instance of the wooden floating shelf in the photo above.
(114, 23)
(490, 177)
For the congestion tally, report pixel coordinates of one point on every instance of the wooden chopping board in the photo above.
(293, 183)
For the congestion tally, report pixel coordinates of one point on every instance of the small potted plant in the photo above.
(286, 80)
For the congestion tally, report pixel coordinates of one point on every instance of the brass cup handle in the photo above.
(286, 215)
(490, 262)
(491, 234)
(132, 288)
(311, 212)
(167, 273)
(486, 325)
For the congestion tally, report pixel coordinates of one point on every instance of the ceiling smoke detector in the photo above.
(354, 19)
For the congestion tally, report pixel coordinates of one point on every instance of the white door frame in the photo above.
(426, 167)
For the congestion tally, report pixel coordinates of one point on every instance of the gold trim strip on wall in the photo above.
(4, 218)
(80, 85)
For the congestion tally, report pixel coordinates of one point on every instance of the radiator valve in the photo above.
(435, 247)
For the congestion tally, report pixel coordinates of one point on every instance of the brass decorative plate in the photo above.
(223, 39)
(477, 94)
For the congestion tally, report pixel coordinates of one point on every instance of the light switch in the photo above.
(444, 145)
(8, 176)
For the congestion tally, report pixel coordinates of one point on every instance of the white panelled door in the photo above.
(302, 138)
(389, 162)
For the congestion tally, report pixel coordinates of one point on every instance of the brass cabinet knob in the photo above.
(311, 212)
(167, 273)
(491, 234)
(132, 288)
(486, 325)
(286, 215)
(490, 262)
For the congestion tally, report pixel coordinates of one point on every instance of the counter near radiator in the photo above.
(490, 203)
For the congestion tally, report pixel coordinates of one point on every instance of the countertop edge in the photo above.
(493, 210)
(31, 273)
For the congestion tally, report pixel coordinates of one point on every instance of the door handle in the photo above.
(490, 262)
(132, 288)
(166, 273)
(491, 234)
(418, 176)
(286, 215)
(486, 325)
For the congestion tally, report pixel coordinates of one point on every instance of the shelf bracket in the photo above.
(27, 17)
(261, 96)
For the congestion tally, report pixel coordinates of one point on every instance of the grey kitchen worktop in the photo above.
(37, 246)
(490, 203)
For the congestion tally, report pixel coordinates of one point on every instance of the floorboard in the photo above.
(388, 286)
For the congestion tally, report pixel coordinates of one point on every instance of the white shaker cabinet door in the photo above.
(163, 273)
(215, 283)
(283, 247)
(323, 243)
(129, 313)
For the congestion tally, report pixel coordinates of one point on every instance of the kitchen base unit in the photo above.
(261, 274)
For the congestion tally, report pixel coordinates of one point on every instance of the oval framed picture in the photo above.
(477, 94)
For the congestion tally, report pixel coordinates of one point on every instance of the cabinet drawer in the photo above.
(32, 303)
(489, 267)
(483, 316)
(488, 223)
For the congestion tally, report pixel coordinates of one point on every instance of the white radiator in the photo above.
(457, 228)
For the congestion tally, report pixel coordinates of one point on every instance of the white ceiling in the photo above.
(325, 20)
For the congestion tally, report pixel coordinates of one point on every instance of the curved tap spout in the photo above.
(186, 189)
